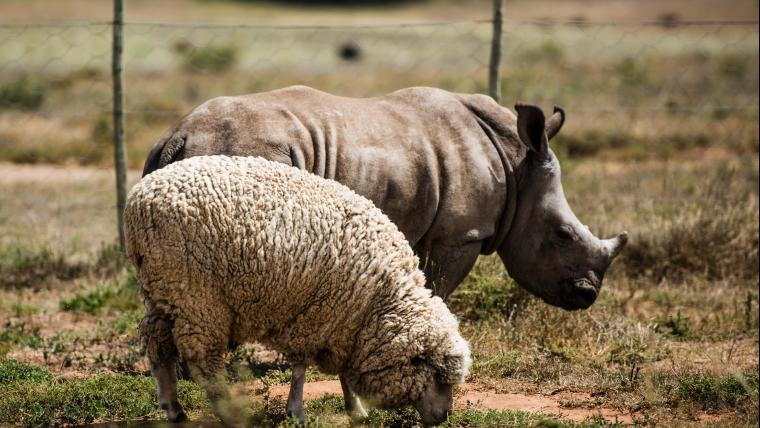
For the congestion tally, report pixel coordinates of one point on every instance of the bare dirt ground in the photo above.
(574, 406)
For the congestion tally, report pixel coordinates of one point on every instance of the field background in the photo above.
(661, 140)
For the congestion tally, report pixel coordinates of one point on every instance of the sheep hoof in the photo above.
(298, 414)
(179, 417)
(358, 416)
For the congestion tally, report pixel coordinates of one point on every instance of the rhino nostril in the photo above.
(586, 293)
(583, 294)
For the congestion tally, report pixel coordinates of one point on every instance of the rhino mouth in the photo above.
(582, 292)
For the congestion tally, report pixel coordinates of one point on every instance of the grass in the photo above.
(33, 396)
(713, 240)
(676, 321)
(120, 295)
(211, 58)
(16, 371)
(674, 326)
(26, 93)
(616, 85)
(672, 329)
(661, 140)
(22, 267)
(711, 392)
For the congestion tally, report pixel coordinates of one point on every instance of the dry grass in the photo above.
(661, 140)
(630, 93)
(679, 307)
(672, 340)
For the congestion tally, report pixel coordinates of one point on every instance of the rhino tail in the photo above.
(164, 152)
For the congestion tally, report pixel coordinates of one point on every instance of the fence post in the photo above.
(494, 77)
(119, 153)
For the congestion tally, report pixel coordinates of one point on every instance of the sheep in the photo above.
(231, 250)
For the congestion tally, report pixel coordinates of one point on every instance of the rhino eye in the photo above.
(564, 235)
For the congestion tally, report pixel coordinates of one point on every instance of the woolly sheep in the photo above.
(237, 249)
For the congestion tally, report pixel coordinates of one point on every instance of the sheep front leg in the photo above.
(294, 408)
(208, 372)
(156, 333)
(354, 407)
(203, 349)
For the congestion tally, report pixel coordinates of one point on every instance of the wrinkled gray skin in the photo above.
(458, 174)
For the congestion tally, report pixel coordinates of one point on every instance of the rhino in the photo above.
(459, 175)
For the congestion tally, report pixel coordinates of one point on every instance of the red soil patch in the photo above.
(470, 396)
(311, 390)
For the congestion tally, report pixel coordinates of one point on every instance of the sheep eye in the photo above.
(416, 361)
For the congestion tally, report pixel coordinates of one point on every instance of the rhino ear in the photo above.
(531, 128)
(554, 124)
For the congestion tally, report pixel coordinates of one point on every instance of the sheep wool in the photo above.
(240, 249)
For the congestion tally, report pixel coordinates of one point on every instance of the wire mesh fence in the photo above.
(679, 84)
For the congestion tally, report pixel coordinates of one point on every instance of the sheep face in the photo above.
(425, 381)
(435, 404)
(420, 364)
(444, 371)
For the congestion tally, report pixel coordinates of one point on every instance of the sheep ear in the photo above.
(531, 128)
(449, 369)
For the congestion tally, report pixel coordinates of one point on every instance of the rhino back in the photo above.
(419, 153)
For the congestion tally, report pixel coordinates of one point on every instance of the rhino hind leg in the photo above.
(446, 266)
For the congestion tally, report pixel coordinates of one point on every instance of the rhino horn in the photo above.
(615, 245)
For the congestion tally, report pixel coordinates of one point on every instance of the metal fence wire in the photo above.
(625, 79)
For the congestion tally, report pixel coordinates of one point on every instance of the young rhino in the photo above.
(231, 250)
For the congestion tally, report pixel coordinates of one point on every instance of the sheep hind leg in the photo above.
(294, 407)
(156, 332)
(353, 405)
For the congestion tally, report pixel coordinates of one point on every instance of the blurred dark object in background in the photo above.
(350, 51)
(668, 20)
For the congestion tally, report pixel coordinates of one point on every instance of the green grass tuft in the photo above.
(20, 334)
(405, 417)
(33, 397)
(487, 292)
(473, 418)
(498, 366)
(24, 93)
(212, 58)
(328, 404)
(14, 371)
(123, 295)
(89, 302)
(25, 268)
(711, 392)
(22, 268)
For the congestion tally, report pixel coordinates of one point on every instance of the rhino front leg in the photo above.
(294, 408)
(446, 266)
